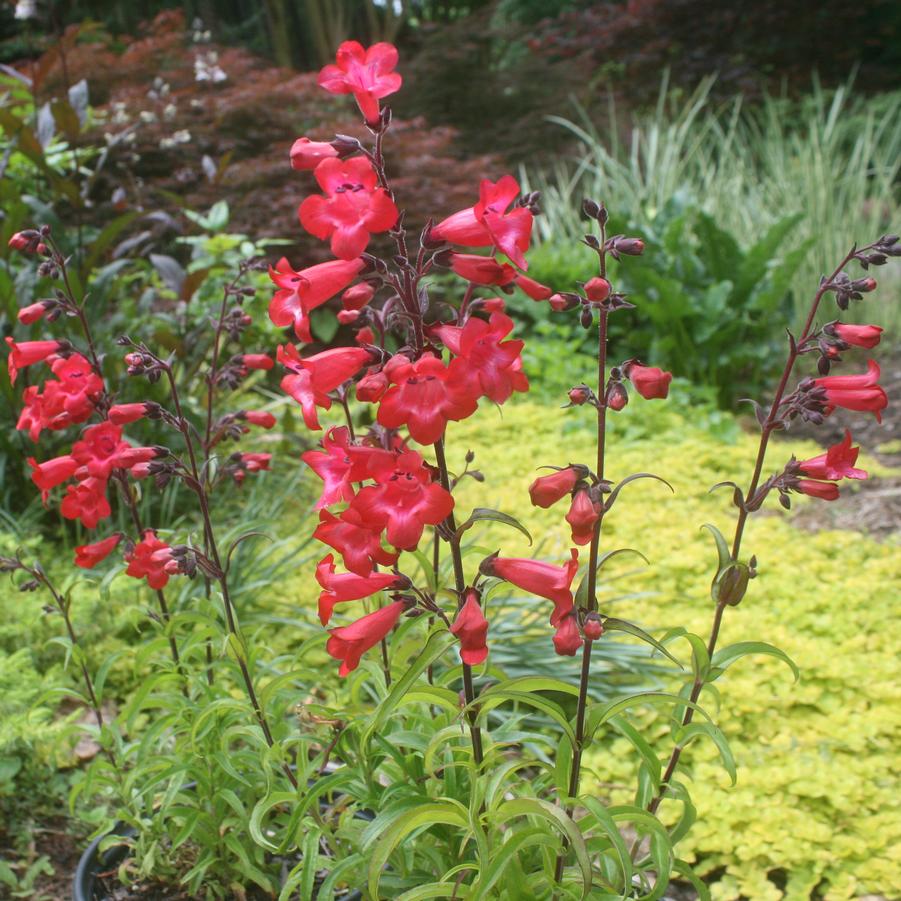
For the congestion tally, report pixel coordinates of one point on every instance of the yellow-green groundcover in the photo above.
(817, 804)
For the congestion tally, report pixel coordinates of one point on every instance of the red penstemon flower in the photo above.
(584, 512)
(862, 393)
(482, 270)
(826, 491)
(858, 335)
(424, 397)
(87, 502)
(649, 381)
(534, 289)
(352, 208)
(567, 639)
(53, 472)
(148, 559)
(261, 418)
(349, 643)
(360, 547)
(27, 353)
(307, 154)
(544, 579)
(257, 361)
(837, 463)
(303, 291)
(545, 491)
(122, 414)
(87, 556)
(471, 627)
(339, 587)
(102, 449)
(367, 74)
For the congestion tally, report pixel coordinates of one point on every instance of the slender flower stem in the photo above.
(769, 426)
(460, 583)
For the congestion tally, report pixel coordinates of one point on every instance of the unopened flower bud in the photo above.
(590, 208)
(617, 397)
(561, 302)
(586, 317)
(597, 289)
(371, 387)
(357, 296)
(864, 285)
(365, 336)
(347, 317)
(632, 247)
(579, 395)
(593, 628)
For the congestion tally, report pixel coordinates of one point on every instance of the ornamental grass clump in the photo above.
(423, 770)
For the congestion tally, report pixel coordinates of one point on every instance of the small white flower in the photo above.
(26, 9)
(147, 116)
(170, 112)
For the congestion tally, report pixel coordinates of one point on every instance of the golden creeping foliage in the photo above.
(817, 801)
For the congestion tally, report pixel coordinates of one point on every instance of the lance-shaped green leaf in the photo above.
(724, 657)
(632, 478)
(485, 514)
(611, 624)
(687, 734)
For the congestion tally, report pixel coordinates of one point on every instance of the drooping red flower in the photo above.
(307, 154)
(403, 501)
(544, 579)
(482, 270)
(257, 361)
(567, 639)
(424, 397)
(49, 474)
(372, 387)
(349, 643)
(367, 74)
(862, 393)
(352, 208)
(583, 516)
(312, 378)
(148, 559)
(490, 224)
(27, 241)
(86, 501)
(33, 312)
(534, 289)
(837, 463)
(303, 291)
(102, 449)
(471, 627)
(649, 381)
(122, 414)
(357, 296)
(340, 587)
(87, 556)
(27, 353)
(360, 547)
(255, 462)
(340, 464)
(261, 418)
(827, 491)
(859, 335)
(545, 491)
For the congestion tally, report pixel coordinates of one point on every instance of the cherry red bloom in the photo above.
(544, 579)
(367, 74)
(424, 397)
(312, 378)
(87, 556)
(28, 241)
(649, 381)
(307, 154)
(583, 516)
(260, 418)
(534, 289)
(471, 627)
(349, 643)
(855, 392)
(545, 491)
(257, 361)
(482, 270)
(403, 501)
(372, 387)
(33, 312)
(827, 491)
(365, 336)
(360, 547)
(485, 364)
(490, 223)
(27, 353)
(64, 401)
(303, 291)
(255, 462)
(86, 501)
(102, 449)
(837, 463)
(51, 473)
(567, 639)
(148, 560)
(352, 208)
(858, 335)
(357, 296)
(340, 587)
(122, 414)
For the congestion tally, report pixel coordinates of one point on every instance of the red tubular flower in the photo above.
(597, 289)
(340, 464)
(312, 378)
(349, 643)
(148, 560)
(471, 627)
(544, 579)
(360, 547)
(353, 206)
(51, 473)
(567, 639)
(307, 154)
(122, 414)
(87, 556)
(86, 501)
(403, 501)
(101, 450)
(365, 336)
(858, 335)
(649, 381)
(357, 296)
(837, 463)
(28, 241)
(488, 224)
(28, 353)
(424, 397)
(534, 289)
(259, 418)
(367, 74)
(855, 392)
(257, 361)
(827, 491)
(582, 516)
(340, 587)
(33, 312)
(256, 462)
(372, 387)
(302, 292)
(482, 270)
(348, 317)
(545, 491)
(485, 364)
(493, 305)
